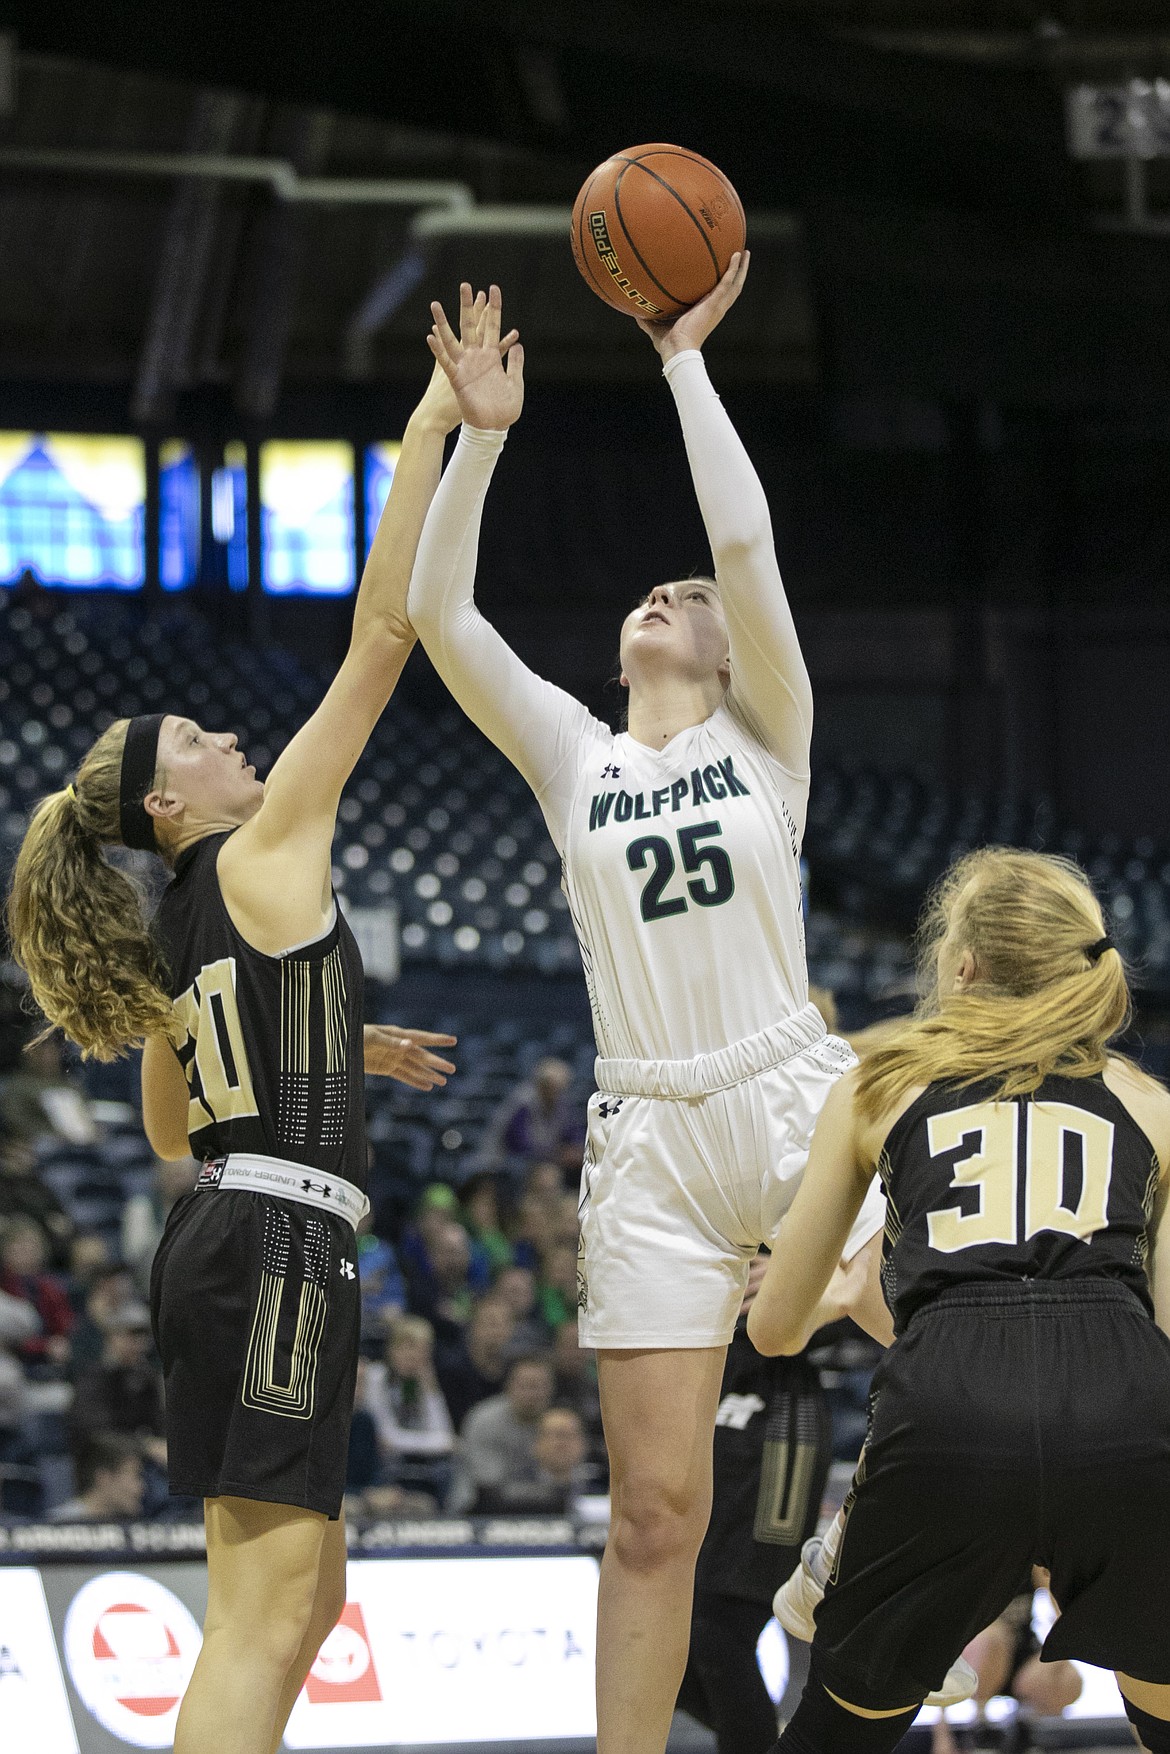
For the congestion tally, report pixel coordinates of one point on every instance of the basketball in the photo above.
(655, 228)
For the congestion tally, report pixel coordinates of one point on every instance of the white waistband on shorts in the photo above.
(705, 1073)
(254, 1173)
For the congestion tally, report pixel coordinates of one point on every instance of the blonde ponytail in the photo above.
(1039, 1005)
(77, 924)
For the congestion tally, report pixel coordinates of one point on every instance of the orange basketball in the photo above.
(654, 228)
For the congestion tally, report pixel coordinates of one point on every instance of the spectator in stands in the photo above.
(18, 1322)
(556, 1292)
(537, 1123)
(124, 1391)
(24, 1254)
(516, 1286)
(111, 1290)
(110, 1482)
(363, 1463)
(479, 1202)
(39, 1099)
(575, 1373)
(534, 1231)
(144, 1215)
(89, 1255)
(498, 1437)
(478, 1367)
(437, 1210)
(383, 1286)
(24, 1195)
(545, 1181)
(443, 1295)
(554, 1477)
(413, 1425)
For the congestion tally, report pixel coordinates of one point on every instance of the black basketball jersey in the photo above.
(1057, 1185)
(271, 1045)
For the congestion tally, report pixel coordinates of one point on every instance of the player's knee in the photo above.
(656, 1525)
(1154, 1732)
(327, 1607)
(280, 1631)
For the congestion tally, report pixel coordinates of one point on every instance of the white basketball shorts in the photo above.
(689, 1166)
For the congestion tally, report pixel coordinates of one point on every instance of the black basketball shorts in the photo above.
(256, 1309)
(1007, 1430)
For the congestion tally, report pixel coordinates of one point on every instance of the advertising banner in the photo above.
(34, 1712)
(448, 1651)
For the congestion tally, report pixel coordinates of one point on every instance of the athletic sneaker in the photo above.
(795, 1603)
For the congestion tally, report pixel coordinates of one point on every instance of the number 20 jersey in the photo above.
(1059, 1185)
(271, 1045)
(682, 871)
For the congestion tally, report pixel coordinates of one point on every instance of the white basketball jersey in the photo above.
(682, 870)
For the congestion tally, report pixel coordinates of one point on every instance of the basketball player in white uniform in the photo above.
(680, 839)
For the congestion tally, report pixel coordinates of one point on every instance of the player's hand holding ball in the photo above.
(485, 372)
(694, 326)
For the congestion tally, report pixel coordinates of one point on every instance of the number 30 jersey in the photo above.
(682, 871)
(1057, 1185)
(271, 1045)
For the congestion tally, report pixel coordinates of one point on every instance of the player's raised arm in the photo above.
(303, 789)
(537, 726)
(768, 674)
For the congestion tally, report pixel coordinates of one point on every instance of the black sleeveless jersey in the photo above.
(271, 1045)
(1057, 1185)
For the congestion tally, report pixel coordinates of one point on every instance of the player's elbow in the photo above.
(167, 1142)
(381, 639)
(773, 1334)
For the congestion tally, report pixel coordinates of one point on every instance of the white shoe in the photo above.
(795, 1603)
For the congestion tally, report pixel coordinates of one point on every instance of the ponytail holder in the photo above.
(1096, 951)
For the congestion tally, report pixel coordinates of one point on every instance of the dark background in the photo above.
(951, 364)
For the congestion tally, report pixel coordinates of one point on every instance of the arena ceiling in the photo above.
(212, 197)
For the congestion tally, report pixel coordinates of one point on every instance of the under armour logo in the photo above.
(608, 1106)
(347, 1270)
(609, 772)
(321, 1188)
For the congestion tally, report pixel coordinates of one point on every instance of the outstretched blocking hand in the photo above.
(405, 1054)
(439, 407)
(693, 327)
(485, 372)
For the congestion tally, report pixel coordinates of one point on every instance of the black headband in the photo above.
(139, 760)
(1097, 949)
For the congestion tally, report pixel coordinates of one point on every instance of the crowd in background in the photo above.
(473, 1395)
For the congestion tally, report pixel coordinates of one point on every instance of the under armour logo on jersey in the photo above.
(321, 1188)
(347, 1270)
(738, 1411)
(610, 772)
(609, 1106)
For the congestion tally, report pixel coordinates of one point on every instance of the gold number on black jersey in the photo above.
(213, 1055)
(993, 1169)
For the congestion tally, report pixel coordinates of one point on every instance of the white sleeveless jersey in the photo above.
(682, 871)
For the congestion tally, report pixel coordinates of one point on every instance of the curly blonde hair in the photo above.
(77, 925)
(1039, 1005)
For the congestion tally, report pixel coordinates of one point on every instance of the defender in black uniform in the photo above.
(1022, 1415)
(254, 1293)
(247, 995)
